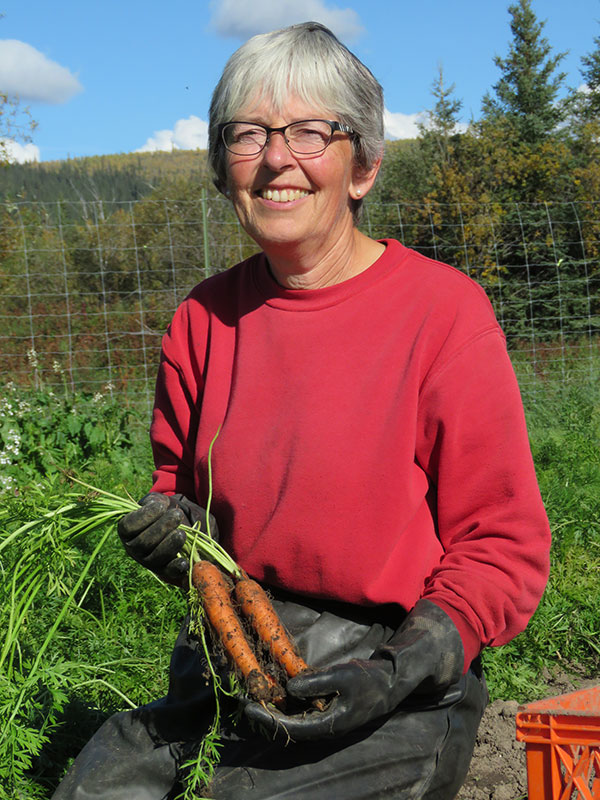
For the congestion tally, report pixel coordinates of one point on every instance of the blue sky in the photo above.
(123, 75)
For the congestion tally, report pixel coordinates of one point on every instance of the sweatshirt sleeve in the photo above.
(178, 396)
(491, 521)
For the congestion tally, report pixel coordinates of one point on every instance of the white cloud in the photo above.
(28, 74)
(187, 134)
(402, 126)
(583, 88)
(406, 126)
(244, 18)
(461, 127)
(19, 153)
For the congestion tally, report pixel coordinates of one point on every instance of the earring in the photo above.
(358, 192)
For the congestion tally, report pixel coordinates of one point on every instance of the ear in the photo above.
(363, 180)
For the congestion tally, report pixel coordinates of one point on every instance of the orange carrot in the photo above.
(257, 607)
(214, 590)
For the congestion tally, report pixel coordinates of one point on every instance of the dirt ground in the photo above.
(498, 769)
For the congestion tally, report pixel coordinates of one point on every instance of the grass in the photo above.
(84, 634)
(84, 631)
(87, 632)
(564, 634)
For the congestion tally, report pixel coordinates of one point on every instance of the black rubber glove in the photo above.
(424, 656)
(151, 534)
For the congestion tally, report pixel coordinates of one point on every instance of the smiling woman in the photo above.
(294, 193)
(297, 149)
(313, 66)
(371, 469)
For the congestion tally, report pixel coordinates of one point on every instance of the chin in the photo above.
(277, 235)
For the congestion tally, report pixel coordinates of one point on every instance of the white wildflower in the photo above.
(32, 358)
(13, 442)
(7, 482)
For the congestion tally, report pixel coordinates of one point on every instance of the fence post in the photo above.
(205, 232)
(31, 353)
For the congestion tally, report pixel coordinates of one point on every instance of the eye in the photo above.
(310, 130)
(244, 137)
(245, 133)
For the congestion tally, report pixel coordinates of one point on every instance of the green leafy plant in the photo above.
(564, 426)
(71, 635)
(42, 558)
(43, 433)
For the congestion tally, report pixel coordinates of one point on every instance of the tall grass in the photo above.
(563, 415)
(86, 631)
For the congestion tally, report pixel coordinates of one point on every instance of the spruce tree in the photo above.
(526, 94)
(442, 120)
(589, 106)
(584, 127)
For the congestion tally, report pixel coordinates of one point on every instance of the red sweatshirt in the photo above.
(372, 446)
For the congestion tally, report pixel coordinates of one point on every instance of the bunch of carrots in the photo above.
(223, 588)
(231, 603)
(221, 598)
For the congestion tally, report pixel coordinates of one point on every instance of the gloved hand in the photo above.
(151, 534)
(424, 656)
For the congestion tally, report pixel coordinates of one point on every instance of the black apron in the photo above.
(421, 751)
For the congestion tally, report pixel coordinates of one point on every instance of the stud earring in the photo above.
(358, 192)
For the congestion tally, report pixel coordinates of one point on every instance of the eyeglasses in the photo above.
(307, 137)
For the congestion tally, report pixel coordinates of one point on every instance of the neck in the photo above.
(299, 267)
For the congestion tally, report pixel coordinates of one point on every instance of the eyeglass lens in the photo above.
(308, 136)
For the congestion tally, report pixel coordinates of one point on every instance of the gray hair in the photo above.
(309, 61)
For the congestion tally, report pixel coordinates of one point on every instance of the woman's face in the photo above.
(315, 206)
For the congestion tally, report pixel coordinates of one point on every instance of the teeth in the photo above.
(283, 196)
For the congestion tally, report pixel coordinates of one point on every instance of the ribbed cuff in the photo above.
(470, 639)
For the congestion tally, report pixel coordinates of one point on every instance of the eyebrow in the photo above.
(262, 120)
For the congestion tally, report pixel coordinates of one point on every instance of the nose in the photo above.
(276, 154)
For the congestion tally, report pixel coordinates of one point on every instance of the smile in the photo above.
(283, 195)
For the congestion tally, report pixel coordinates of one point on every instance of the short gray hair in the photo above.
(309, 61)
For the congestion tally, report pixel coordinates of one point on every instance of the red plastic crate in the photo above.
(562, 745)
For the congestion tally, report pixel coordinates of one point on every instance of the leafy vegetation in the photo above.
(16, 124)
(43, 434)
(82, 636)
(85, 633)
(564, 633)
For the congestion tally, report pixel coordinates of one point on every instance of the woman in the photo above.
(372, 465)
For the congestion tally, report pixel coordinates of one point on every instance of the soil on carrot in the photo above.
(498, 770)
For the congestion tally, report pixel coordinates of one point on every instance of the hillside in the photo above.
(125, 176)
(119, 177)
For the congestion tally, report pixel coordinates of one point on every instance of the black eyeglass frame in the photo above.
(333, 124)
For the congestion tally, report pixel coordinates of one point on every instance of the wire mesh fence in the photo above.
(88, 288)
